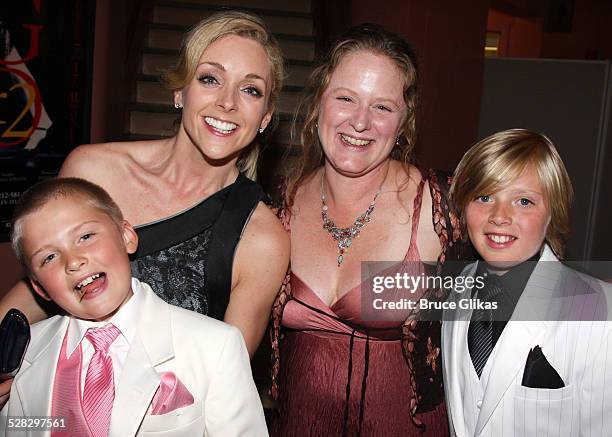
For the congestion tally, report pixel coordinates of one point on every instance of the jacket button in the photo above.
(479, 404)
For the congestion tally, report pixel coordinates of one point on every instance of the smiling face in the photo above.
(509, 226)
(78, 257)
(361, 113)
(226, 102)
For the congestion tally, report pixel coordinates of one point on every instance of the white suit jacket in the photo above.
(579, 350)
(208, 356)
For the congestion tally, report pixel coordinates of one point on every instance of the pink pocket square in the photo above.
(170, 395)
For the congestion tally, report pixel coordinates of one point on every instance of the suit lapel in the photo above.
(151, 346)
(33, 385)
(509, 357)
(454, 335)
(526, 329)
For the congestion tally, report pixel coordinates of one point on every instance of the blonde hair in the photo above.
(211, 29)
(37, 196)
(368, 38)
(497, 160)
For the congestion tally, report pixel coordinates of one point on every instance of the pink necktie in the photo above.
(99, 392)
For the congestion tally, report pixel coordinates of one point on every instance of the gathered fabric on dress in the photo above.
(187, 258)
(341, 375)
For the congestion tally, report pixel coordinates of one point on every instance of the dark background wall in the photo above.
(448, 36)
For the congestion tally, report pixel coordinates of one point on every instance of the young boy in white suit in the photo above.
(545, 368)
(121, 362)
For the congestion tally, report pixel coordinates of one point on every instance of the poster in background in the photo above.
(46, 55)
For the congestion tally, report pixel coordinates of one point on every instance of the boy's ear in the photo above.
(130, 238)
(39, 289)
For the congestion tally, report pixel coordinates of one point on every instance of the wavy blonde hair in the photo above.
(211, 29)
(499, 159)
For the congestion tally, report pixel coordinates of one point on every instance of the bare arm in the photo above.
(22, 298)
(259, 269)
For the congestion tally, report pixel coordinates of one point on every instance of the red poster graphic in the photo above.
(46, 56)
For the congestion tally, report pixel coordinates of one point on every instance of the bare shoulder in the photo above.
(265, 232)
(264, 247)
(97, 161)
(113, 166)
(93, 161)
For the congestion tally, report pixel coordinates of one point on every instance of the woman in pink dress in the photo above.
(335, 371)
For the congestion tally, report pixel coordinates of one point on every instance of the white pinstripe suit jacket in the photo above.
(579, 347)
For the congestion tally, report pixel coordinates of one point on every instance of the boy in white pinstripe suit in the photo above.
(545, 371)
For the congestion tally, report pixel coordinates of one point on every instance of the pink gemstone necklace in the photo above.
(344, 236)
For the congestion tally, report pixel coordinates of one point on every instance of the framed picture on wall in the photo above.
(46, 57)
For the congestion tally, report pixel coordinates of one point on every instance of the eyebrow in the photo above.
(222, 68)
(254, 76)
(71, 230)
(213, 64)
(526, 191)
(380, 99)
(42, 249)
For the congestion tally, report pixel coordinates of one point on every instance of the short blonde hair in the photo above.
(495, 161)
(209, 30)
(37, 196)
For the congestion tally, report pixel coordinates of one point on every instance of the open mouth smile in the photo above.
(91, 285)
(354, 141)
(222, 127)
(500, 240)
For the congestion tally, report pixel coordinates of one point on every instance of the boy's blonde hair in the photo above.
(495, 161)
(43, 192)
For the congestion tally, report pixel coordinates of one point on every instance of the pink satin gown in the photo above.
(344, 376)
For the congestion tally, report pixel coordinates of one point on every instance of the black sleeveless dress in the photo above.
(187, 258)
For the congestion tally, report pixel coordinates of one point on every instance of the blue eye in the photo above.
(253, 91)
(47, 259)
(207, 79)
(525, 202)
(86, 236)
(484, 199)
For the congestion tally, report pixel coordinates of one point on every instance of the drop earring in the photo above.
(178, 105)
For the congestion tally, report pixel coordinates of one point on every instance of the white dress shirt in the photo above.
(125, 319)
